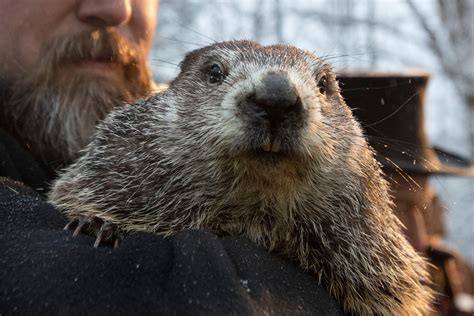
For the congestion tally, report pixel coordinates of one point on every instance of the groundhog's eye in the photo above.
(322, 85)
(216, 74)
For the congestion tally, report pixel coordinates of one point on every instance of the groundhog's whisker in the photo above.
(174, 39)
(165, 61)
(384, 141)
(192, 30)
(381, 87)
(394, 112)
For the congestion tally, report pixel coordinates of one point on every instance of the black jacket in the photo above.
(43, 269)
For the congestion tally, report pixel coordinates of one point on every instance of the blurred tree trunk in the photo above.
(370, 33)
(279, 23)
(258, 21)
(452, 42)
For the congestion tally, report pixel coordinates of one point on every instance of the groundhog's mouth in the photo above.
(273, 146)
(268, 157)
(273, 151)
(268, 153)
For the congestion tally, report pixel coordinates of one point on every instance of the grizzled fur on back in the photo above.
(198, 156)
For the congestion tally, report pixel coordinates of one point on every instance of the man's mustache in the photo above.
(98, 45)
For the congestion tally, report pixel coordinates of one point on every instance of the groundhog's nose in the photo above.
(276, 96)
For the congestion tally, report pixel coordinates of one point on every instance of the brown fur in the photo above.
(189, 158)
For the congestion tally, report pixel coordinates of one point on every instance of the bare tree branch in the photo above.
(277, 9)
(452, 53)
(327, 19)
(258, 21)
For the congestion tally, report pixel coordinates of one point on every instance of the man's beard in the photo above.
(53, 112)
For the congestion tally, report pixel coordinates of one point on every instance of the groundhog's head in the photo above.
(269, 105)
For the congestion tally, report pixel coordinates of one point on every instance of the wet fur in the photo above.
(179, 160)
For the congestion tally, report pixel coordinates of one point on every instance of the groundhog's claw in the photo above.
(71, 224)
(108, 233)
(105, 232)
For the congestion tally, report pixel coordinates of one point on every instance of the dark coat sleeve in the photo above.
(17, 164)
(44, 270)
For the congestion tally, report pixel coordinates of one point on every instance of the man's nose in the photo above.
(102, 13)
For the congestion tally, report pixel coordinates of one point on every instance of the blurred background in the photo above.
(433, 35)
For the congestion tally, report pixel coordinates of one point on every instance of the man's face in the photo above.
(66, 63)
(28, 24)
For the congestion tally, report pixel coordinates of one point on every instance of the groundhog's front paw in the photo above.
(105, 232)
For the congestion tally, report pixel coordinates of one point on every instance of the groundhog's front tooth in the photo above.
(276, 146)
(266, 146)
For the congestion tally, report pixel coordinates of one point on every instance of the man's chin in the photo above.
(56, 117)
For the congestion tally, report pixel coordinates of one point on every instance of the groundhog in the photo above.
(254, 141)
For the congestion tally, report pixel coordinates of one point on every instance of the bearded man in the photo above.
(64, 64)
(63, 72)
